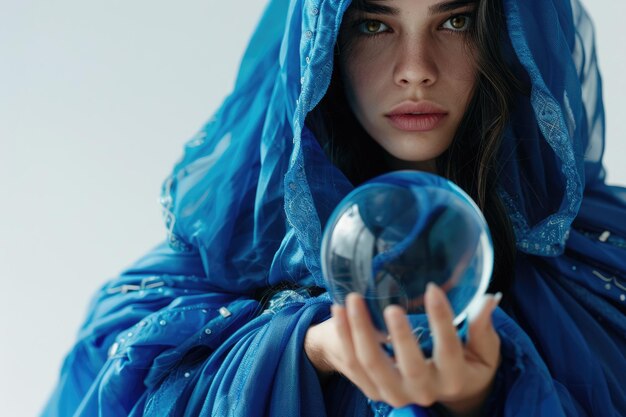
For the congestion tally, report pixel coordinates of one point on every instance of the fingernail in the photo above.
(495, 300)
(351, 296)
(433, 294)
(352, 304)
(497, 297)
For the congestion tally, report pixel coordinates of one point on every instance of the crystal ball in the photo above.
(391, 236)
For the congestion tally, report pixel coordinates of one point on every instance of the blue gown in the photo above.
(212, 321)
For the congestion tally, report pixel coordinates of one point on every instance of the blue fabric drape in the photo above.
(184, 332)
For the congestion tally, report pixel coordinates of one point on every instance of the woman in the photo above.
(329, 95)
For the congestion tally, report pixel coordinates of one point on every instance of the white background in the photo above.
(96, 101)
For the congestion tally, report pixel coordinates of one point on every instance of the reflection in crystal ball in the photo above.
(396, 233)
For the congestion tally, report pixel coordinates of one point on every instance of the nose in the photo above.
(416, 63)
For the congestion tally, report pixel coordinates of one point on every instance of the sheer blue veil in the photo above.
(251, 197)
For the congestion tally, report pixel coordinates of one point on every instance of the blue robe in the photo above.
(212, 321)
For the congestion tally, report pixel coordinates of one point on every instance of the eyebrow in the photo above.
(375, 7)
(448, 6)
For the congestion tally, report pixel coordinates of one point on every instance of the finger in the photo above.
(409, 357)
(447, 350)
(372, 358)
(364, 334)
(349, 364)
(483, 341)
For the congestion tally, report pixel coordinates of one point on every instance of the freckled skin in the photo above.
(415, 56)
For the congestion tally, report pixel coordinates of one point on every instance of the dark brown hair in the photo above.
(471, 161)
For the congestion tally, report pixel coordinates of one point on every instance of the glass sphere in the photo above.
(393, 235)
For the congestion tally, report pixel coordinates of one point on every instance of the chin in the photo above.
(418, 162)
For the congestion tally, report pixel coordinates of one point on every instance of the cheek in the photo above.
(361, 74)
(463, 68)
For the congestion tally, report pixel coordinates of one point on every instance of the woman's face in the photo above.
(409, 71)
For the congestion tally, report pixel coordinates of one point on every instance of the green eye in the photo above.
(458, 23)
(371, 27)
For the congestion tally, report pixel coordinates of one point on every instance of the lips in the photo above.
(416, 116)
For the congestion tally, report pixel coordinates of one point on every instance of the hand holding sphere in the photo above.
(409, 253)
